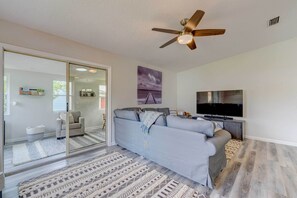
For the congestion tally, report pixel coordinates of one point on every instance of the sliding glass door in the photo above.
(34, 108)
(49, 109)
(86, 107)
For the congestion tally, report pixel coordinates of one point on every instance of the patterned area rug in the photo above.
(231, 148)
(30, 151)
(113, 175)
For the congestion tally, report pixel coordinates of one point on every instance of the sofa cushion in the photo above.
(201, 126)
(149, 109)
(63, 116)
(132, 108)
(161, 120)
(125, 114)
(72, 126)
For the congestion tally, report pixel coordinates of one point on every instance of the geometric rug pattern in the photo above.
(30, 151)
(231, 148)
(115, 174)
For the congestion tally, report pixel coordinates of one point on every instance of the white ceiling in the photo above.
(43, 65)
(33, 64)
(124, 27)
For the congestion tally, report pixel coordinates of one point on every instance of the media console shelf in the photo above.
(235, 127)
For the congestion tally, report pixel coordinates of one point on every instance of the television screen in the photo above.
(226, 103)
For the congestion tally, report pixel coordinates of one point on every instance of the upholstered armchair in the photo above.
(76, 125)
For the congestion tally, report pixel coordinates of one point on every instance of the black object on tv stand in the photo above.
(218, 117)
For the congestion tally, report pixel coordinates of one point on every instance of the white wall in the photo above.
(268, 78)
(88, 106)
(124, 70)
(29, 111)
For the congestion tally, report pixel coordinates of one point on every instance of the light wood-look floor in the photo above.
(259, 169)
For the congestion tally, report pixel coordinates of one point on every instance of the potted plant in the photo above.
(40, 92)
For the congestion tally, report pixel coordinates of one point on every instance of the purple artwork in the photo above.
(149, 88)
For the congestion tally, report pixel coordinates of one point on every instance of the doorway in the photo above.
(51, 109)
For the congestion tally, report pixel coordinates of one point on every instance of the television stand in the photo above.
(218, 117)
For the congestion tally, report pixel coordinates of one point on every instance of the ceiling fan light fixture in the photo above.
(185, 38)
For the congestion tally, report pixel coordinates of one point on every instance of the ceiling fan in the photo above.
(187, 34)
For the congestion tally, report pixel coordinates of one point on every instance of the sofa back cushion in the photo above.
(161, 120)
(76, 115)
(126, 114)
(201, 126)
(166, 110)
(149, 109)
(132, 108)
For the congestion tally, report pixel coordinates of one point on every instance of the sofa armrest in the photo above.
(218, 141)
(81, 120)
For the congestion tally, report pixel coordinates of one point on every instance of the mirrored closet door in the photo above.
(87, 107)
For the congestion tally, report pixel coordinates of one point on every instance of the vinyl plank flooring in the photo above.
(230, 179)
(275, 179)
(258, 169)
(272, 152)
(283, 156)
(267, 170)
(290, 181)
(243, 180)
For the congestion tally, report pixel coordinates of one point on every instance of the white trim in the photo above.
(74, 61)
(2, 178)
(272, 140)
(110, 136)
(7, 112)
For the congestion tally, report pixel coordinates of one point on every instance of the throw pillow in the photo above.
(76, 115)
(71, 118)
(201, 126)
(63, 117)
(218, 126)
(125, 114)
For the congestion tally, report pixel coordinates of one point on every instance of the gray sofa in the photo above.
(184, 146)
(76, 127)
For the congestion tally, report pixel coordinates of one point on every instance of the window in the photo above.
(102, 97)
(6, 95)
(59, 95)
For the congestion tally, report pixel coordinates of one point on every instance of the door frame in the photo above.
(68, 60)
(2, 179)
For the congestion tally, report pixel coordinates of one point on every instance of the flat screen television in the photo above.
(224, 103)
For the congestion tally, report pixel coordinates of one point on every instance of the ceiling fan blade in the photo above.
(192, 45)
(194, 21)
(169, 42)
(166, 31)
(208, 32)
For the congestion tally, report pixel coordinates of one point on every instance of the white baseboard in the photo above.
(272, 140)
